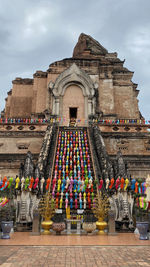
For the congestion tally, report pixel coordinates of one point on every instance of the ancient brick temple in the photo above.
(92, 84)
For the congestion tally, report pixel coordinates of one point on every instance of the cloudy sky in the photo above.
(35, 33)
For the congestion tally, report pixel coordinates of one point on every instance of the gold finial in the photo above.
(47, 206)
(100, 209)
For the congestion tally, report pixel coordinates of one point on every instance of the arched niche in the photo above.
(75, 78)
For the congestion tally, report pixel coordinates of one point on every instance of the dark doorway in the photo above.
(73, 113)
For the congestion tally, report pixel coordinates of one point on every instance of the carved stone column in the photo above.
(78, 227)
(111, 223)
(68, 227)
(57, 106)
(86, 107)
(90, 109)
(36, 223)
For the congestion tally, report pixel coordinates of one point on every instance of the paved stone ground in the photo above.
(76, 256)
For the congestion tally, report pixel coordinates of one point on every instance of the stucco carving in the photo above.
(23, 145)
(73, 75)
(22, 134)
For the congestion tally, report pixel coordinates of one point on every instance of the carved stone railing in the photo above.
(45, 152)
(51, 170)
(96, 169)
(52, 155)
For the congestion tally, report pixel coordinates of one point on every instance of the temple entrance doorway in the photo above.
(72, 116)
(73, 106)
(73, 113)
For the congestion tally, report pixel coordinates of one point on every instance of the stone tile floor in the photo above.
(26, 239)
(75, 256)
(122, 250)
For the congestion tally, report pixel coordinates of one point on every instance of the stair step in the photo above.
(78, 130)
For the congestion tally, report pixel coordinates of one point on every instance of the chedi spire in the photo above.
(87, 44)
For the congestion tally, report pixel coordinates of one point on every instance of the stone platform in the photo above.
(123, 250)
(26, 239)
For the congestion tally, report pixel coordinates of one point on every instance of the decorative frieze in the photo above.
(22, 145)
(21, 134)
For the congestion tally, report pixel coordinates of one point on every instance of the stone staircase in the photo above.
(73, 182)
